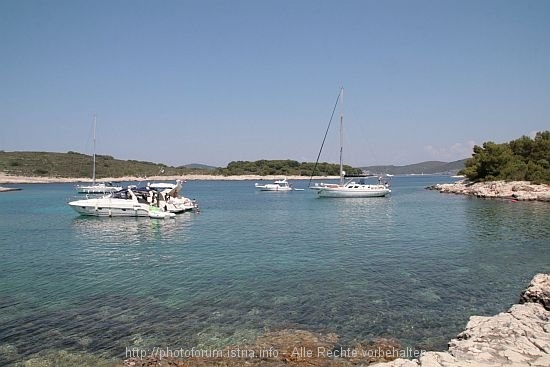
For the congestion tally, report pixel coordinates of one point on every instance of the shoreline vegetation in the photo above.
(523, 159)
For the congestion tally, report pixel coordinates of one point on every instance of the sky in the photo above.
(212, 81)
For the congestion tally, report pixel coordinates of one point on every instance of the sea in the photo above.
(411, 267)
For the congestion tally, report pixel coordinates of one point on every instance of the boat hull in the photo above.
(110, 209)
(273, 188)
(330, 192)
(281, 185)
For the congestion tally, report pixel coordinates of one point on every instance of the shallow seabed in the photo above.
(413, 267)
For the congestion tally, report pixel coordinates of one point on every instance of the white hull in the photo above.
(345, 192)
(281, 185)
(107, 207)
(270, 187)
(351, 189)
(180, 205)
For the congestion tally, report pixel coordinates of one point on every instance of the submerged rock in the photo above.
(518, 337)
(288, 347)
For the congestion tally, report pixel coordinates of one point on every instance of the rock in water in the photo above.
(538, 291)
(519, 337)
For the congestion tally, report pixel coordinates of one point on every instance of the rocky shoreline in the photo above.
(519, 337)
(513, 190)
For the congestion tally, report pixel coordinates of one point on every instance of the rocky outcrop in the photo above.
(538, 291)
(518, 337)
(516, 190)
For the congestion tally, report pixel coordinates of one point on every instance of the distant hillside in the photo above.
(77, 165)
(73, 164)
(428, 167)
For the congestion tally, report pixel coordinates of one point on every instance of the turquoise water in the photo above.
(414, 267)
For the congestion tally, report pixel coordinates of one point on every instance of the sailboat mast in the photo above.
(342, 137)
(93, 172)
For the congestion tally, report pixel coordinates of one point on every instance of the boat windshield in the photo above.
(122, 194)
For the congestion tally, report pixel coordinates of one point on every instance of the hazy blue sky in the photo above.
(214, 81)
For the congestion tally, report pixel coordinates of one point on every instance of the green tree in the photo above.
(520, 159)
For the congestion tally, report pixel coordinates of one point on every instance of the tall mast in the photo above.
(342, 137)
(93, 174)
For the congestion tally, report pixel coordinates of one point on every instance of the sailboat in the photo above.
(97, 187)
(357, 187)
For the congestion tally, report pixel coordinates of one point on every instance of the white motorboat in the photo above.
(167, 196)
(123, 203)
(352, 188)
(279, 185)
(161, 185)
(97, 187)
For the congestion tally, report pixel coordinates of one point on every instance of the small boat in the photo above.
(97, 187)
(355, 187)
(279, 185)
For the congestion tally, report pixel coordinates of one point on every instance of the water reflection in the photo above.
(508, 219)
(126, 243)
(131, 230)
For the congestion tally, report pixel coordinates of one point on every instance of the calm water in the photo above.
(414, 267)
